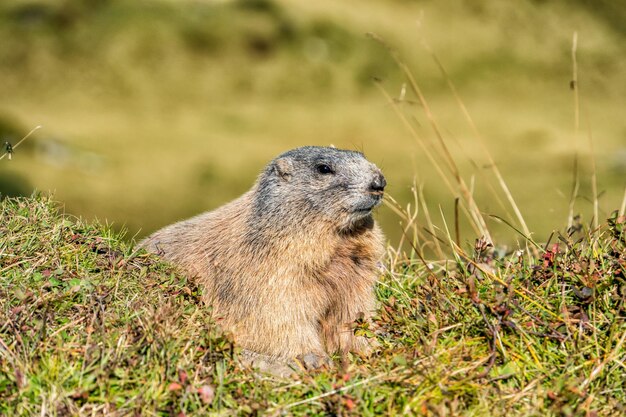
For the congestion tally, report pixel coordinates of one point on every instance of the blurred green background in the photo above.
(153, 111)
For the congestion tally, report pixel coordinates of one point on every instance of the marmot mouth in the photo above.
(366, 207)
(365, 210)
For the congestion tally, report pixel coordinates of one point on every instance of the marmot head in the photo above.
(338, 186)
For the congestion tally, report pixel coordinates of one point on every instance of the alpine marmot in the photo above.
(291, 264)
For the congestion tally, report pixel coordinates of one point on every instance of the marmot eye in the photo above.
(324, 169)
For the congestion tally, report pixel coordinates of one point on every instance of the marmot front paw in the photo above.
(311, 360)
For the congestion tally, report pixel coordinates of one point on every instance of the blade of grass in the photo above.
(21, 140)
(574, 88)
(574, 194)
(332, 392)
(429, 222)
(594, 182)
(527, 238)
(481, 141)
(431, 158)
(473, 209)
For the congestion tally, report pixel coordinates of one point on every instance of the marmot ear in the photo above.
(283, 168)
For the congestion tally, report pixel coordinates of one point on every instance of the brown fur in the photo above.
(287, 285)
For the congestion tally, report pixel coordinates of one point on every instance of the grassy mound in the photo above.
(88, 326)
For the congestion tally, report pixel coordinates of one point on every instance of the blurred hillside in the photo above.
(157, 110)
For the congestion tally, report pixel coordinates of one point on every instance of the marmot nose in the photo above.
(378, 183)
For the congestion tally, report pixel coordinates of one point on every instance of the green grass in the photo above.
(89, 326)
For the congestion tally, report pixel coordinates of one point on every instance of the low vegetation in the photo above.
(90, 326)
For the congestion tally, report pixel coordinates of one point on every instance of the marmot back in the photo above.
(289, 265)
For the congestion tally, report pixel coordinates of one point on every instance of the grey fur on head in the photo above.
(340, 186)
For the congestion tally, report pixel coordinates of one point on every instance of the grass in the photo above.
(90, 326)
